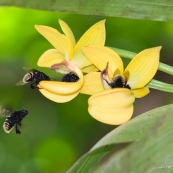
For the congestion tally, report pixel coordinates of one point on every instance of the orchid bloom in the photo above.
(114, 89)
(67, 58)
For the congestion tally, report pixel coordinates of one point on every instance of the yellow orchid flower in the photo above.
(114, 89)
(67, 58)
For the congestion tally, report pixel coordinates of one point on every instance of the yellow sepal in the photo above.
(67, 31)
(89, 69)
(92, 83)
(58, 98)
(100, 56)
(143, 67)
(58, 40)
(50, 57)
(139, 93)
(80, 60)
(94, 36)
(114, 106)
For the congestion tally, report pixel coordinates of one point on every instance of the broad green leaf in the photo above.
(153, 153)
(149, 145)
(87, 162)
(160, 10)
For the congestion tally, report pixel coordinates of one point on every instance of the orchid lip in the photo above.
(72, 73)
(54, 67)
(64, 67)
(69, 76)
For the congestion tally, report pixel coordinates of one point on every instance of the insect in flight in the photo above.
(14, 119)
(34, 77)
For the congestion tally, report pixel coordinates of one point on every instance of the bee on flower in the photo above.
(67, 58)
(114, 89)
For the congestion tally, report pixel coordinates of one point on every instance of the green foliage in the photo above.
(68, 128)
(46, 155)
(145, 9)
(142, 145)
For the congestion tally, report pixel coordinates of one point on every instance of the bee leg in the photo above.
(17, 130)
(34, 86)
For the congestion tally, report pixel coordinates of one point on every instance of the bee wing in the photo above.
(4, 112)
(21, 82)
(28, 69)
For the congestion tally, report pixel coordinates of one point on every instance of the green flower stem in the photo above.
(155, 84)
(127, 54)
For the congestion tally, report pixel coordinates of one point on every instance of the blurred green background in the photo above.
(55, 135)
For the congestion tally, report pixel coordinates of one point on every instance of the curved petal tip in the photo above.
(114, 106)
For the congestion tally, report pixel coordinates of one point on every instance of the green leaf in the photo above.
(88, 161)
(143, 144)
(160, 10)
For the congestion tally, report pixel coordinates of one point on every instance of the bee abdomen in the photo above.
(70, 77)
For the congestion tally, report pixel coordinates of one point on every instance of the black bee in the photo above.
(14, 119)
(117, 82)
(34, 77)
(70, 77)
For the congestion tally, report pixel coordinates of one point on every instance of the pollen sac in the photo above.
(70, 77)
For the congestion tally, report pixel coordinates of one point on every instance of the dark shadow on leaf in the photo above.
(114, 150)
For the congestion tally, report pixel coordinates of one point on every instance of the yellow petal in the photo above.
(58, 98)
(67, 31)
(94, 36)
(114, 106)
(62, 88)
(92, 83)
(50, 57)
(143, 67)
(80, 60)
(122, 97)
(89, 69)
(100, 56)
(58, 40)
(139, 93)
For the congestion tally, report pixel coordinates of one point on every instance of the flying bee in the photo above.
(70, 77)
(14, 119)
(34, 77)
